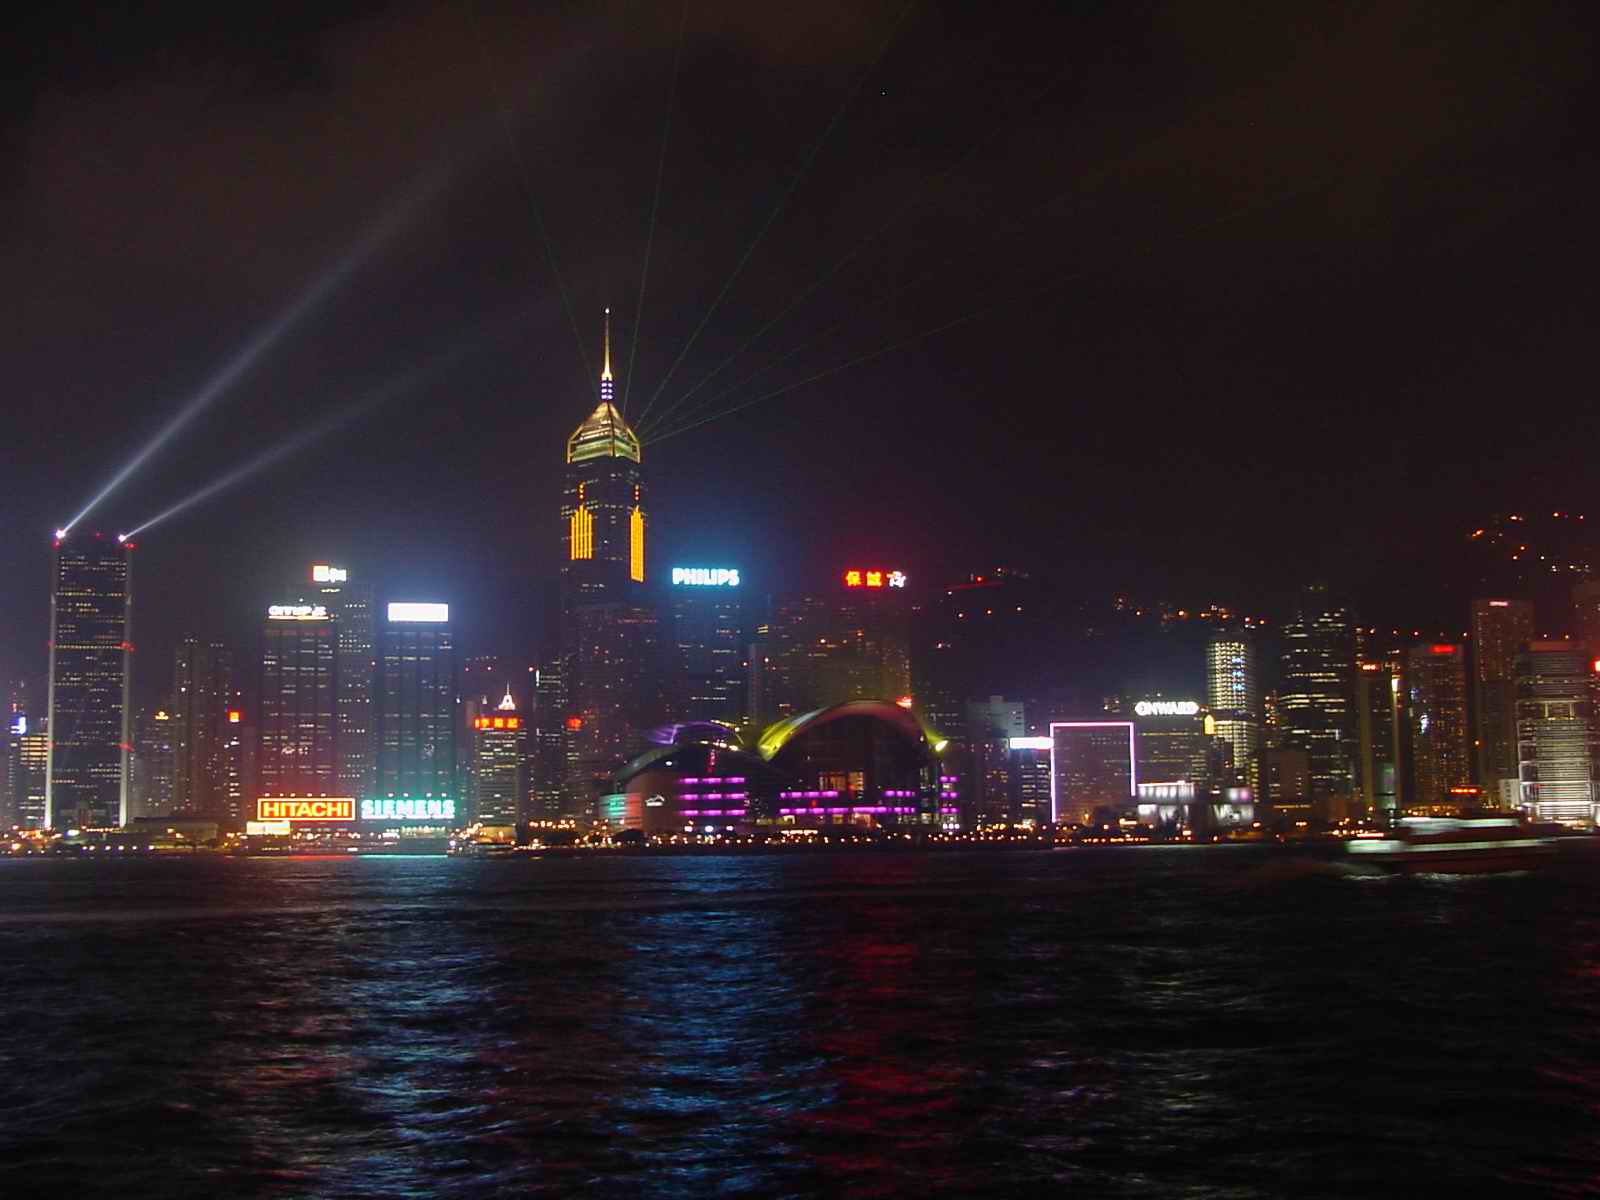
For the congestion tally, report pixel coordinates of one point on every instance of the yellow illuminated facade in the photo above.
(580, 530)
(636, 545)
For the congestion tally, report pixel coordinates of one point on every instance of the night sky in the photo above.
(1196, 300)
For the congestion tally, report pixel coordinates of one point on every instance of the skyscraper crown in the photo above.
(604, 434)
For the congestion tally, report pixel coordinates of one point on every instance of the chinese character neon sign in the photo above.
(858, 577)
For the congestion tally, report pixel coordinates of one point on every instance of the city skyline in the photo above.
(1170, 355)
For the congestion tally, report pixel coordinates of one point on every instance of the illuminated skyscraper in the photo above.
(707, 654)
(202, 692)
(91, 669)
(1379, 714)
(1499, 630)
(1316, 693)
(1092, 767)
(1233, 694)
(610, 642)
(350, 605)
(299, 719)
(602, 507)
(497, 763)
(153, 772)
(1436, 699)
(30, 752)
(417, 702)
(1558, 747)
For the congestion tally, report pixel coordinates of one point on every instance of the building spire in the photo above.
(508, 704)
(605, 372)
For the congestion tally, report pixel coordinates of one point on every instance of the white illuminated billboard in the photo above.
(411, 611)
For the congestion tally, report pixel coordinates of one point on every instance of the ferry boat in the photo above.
(1454, 845)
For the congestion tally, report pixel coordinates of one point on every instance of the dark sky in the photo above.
(1242, 293)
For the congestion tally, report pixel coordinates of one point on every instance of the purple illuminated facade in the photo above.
(1093, 765)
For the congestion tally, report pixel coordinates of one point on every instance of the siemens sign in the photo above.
(409, 808)
(706, 576)
(1166, 708)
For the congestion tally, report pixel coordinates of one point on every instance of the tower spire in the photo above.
(605, 372)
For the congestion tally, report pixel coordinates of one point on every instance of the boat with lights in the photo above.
(1454, 845)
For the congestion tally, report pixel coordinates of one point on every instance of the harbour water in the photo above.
(1218, 1021)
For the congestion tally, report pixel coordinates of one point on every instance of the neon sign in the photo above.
(497, 722)
(1166, 708)
(324, 808)
(706, 576)
(19, 723)
(322, 573)
(409, 809)
(1030, 743)
(406, 611)
(297, 612)
(856, 577)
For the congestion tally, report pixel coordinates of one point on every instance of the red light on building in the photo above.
(1442, 649)
(1596, 666)
(234, 716)
(904, 702)
(574, 722)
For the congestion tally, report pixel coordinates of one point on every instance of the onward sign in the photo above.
(299, 808)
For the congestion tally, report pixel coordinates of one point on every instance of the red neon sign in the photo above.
(1444, 649)
(878, 578)
(497, 723)
(234, 716)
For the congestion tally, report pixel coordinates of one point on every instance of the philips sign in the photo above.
(705, 576)
(322, 573)
(1166, 708)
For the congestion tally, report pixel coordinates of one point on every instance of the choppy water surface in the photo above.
(1212, 1022)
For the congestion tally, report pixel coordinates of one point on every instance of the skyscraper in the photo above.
(1316, 695)
(497, 763)
(1092, 767)
(610, 642)
(1436, 699)
(1233, 694)
(299, 719)
(707, 675)
(1499, 629)
(350, 605)
(30, 759)
(91, 675)
(202, 691)
(417, 702)
(154, 770)
(1557, 743)
(602, 508)
(550, 766)
(1379, 710)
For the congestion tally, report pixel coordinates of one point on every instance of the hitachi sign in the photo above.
(1166, 708)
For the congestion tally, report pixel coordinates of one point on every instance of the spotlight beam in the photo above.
(655, 207)
(1005, 299)
(340, 418)
(872, 240)
(777, 209)
(235, 368)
